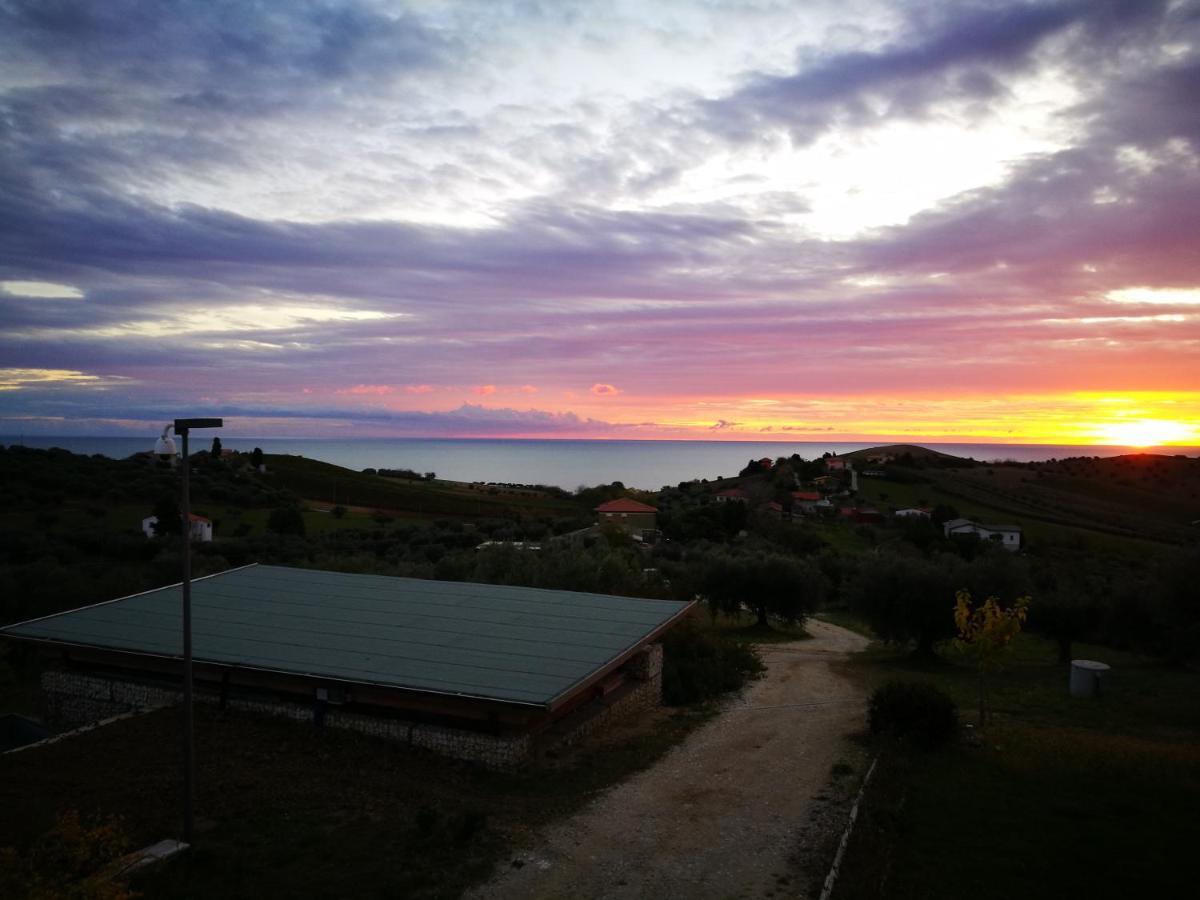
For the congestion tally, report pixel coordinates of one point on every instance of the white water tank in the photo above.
(1086, 675)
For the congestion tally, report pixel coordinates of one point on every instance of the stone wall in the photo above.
(76, 698)
(642, 691)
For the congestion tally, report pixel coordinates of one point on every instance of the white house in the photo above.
(200, 531)
(1008, 536)
(913, 512)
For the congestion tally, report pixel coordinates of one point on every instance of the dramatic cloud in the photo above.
(964, 214)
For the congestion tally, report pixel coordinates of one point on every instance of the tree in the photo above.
(169, 516)
(769, 585)
(256, 458)
(904, 598)
(215, 452)
(986, 633)
(286, 520)
(1065, 615)
(1178, 603)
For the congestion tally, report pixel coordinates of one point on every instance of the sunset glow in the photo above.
(1150, 433)
(735, 221)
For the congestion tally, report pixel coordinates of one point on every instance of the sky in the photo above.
(731, 220)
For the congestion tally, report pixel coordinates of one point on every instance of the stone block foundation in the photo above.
(73, 698)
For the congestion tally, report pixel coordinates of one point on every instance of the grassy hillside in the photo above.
(1141, 496)
(323, 482)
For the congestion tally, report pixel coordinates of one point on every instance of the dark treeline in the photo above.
(60, 548)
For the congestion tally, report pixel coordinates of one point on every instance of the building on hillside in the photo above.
(771, 509)
(865, 515)
(201, 528)
(490, 673)
(767, 463)
(805, 501)
(631, 516)
(913, 512)
(836, 463)
(827, 482)
(1008, 536)
(731, 495)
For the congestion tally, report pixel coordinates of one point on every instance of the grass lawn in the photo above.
(1063, 796)
(285, 810)
(745, 628)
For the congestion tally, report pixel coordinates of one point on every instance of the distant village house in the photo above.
(1008, 536)
(201, 529)
(629, 515)
(731, 495)
(805, 501)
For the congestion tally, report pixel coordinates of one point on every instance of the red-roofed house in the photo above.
(201, 528)
(731, 495)
(771, 509)
(628, 515)
(804, 501)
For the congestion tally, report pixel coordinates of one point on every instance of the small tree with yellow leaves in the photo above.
(986, 632)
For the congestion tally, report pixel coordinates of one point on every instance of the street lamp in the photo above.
(166, 447)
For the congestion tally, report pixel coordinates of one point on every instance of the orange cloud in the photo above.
(604, 390)
(419, 388)
(378, 389)
(484, 390)
(528, 389)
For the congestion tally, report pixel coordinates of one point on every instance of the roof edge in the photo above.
(315, 676)
(63, 612)
(597, 675)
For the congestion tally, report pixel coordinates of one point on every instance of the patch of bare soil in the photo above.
(724, 813)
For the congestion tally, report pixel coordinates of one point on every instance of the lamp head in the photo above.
(164, 447)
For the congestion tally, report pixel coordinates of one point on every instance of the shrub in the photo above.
(286, 520)
(699, 665)
(913, 710)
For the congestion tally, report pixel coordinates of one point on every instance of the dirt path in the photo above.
(719, 815)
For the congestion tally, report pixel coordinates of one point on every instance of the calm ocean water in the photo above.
(566, 463)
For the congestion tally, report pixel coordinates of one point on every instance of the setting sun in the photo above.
(1148, 433)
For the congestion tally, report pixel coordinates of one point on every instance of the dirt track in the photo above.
(719, 815)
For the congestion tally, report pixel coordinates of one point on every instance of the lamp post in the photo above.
(166, 447)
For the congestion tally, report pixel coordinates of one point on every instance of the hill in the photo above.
(1137, 495)
(913, 451)
(322, 482)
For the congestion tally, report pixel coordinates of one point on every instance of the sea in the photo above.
(568, 464)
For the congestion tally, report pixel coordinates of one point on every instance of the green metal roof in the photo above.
(513, 644)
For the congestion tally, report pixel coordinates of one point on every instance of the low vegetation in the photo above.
(1078, 796)
(286, 810)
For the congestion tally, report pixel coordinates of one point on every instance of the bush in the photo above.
(913, 710)
(698, 665)
(286, 520)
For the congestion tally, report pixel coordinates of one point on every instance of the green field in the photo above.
(284, 810)
(1063, 796)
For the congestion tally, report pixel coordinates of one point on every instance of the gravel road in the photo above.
(720, 815)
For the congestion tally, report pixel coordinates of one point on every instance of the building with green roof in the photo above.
(430, 662)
